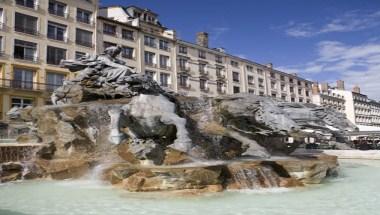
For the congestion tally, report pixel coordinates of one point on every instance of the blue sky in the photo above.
(320, 40)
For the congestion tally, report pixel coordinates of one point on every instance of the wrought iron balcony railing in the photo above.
(26, 30)
(27, 85)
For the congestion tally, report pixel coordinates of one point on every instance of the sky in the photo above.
(320, 40)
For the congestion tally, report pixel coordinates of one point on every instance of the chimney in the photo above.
(356, 89)
(324, 87)
(202, 39)
(269, 65)
(315, 89)
(340, 85)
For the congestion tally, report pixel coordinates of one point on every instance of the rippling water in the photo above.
(355, 191)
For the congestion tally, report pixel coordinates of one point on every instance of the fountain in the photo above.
(127, 130)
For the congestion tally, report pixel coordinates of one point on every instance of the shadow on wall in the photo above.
(8, 212)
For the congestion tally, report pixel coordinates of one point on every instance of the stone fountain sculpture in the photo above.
(113, 116)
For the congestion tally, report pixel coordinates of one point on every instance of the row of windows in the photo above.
(59, 9)
(25, 50)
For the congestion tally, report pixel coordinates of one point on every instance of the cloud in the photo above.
(350, 21)
(217, 32)
(356, 64)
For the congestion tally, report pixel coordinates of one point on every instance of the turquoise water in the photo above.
(355, 191)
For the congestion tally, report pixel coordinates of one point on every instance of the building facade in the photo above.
(359, 109)
(323, 95)
(35, 35)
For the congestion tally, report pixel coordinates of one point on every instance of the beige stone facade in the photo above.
(34, 36)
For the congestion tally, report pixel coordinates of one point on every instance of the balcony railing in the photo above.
(83, 20)
(26, 30)
(56, 12)
(84, 43)
(150, 64)
(184, 68)
(28, 4)
(26, 57)
(27, 85)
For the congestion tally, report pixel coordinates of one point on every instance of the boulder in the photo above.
(64, 168)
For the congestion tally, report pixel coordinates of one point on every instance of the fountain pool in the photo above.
(355, 191)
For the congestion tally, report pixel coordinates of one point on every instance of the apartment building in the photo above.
(359, 109)
(323, 96)
(35, 35)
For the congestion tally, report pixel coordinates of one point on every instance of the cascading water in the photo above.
(254, 177)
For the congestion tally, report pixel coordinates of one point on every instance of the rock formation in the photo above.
(124, 121)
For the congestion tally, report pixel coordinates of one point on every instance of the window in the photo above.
(127, 34)
(56, 31)
(235, 76)
(79, 55)
(127, 52)
(219, 87)
(1, 45)
(164, 79)
(218, 59)
(291, 80)
(273, 85)
(300, 91)
(54, 80)
(164, 61)
(23, 78)
(299, 83)
(108, 44)
(26, 24)
(292, 89)
(182, 64)
(83, 16)
(164, 45)
(183, 80)
(249, 68)
(282, 78)
(236, 89)
(201, 54)
(149, 58)
(1, 18)
(202, 84)
(109, 29)
(260, 71)
(261, 93)
(57, 8)
(272, 75)
(307, 93)
(151, 74)
(21, 102)
(283, 98)
(300, 100)
(150, 41)
(250, 91)
(25, 50)
(283, 88)
(219, 71)
(83, 37)
(234, 63)
(250, 79)
(202, 68)
(274, 95)
(293, 99)
(55, 55)
(183, 49)
(26, 3)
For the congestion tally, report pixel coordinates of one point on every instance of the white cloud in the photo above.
(357, 65)
(347, 22)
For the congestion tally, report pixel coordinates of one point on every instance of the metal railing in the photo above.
(84, 43)
(25, 57)
(26, 30)
(84, 20)
(56, 12)
(27, 85)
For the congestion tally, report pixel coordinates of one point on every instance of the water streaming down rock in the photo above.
(253, 177)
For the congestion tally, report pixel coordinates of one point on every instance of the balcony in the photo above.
(184, 86)
(84, 43)
(27, 85)
(27, 4)
(25, 57)
(84, 20)
(220, 75)
(165, 48)
(150, 44)
(184, 68)
(203, 73)
(165, 67)
(55, 12)
(26, 30)
(150, 64)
